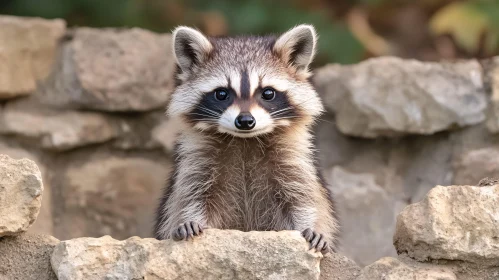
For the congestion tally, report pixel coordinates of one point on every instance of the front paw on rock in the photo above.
(317, 241)
(187, 231)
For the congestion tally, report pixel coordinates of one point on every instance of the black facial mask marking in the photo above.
(279, 107)
(209, 108)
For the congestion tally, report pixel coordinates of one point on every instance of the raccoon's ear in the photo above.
(190, 46)
(297, 46)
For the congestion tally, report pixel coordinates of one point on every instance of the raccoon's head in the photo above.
(245, 86)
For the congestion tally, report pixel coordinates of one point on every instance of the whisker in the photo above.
(282, 118)
(284, 114)
(203, 115)
(207, 110)
(205, 120)
(207, 114)
(202, 108)
(281, 110)
(327, 121)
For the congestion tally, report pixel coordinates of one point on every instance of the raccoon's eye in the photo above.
(221, 94)
(268, 94)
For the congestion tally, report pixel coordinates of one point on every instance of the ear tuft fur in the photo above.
(297, 46)
(190, 46)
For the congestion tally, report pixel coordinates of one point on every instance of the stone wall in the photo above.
(395, 129)
(451, 234)
(87, 105)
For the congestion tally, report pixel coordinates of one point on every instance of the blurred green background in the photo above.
(349, 30)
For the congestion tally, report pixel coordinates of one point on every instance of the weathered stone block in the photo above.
(452, 223)
(492, 78)
(27, 257)
(113, 70)
(215, 255)
(393, 269)
(44, 221)
(102, 193)
(57, 130)
(337, 267)
(27, 50)
(20, 194)
(389, 96)
(474, 165)
(367, 216)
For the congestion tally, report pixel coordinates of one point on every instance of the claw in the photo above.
(180, 233)
(325, 249)
(187, 231)
(190, 232)
(308, 234)
(195, 228)
(317, 241)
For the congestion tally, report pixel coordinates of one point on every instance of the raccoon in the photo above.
(245, 159)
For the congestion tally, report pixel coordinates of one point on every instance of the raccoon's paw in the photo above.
(317, 241)
(187, 231)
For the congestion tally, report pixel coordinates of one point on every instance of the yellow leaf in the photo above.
(464, 22)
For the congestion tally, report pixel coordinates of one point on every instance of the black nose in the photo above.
(245, 121)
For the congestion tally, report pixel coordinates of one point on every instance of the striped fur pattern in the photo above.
(258, 179)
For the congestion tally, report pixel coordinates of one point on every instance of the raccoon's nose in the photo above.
(245, 121)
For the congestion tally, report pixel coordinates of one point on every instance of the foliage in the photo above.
(474, 25)
(350, 30)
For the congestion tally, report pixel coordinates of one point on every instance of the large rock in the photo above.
(461, 270)
(422, 162)
(389, 268)
(20, 194)
(44, 221)
(27, 257)
(101, 193)
(137, 130)
(58, 130)
(27, 50)
(474, 165)
(337, 267)
(405, 168)
(391, 97)
(216, 255)
(367, 216)
(452, 223)
(113, 70)
(492, 78)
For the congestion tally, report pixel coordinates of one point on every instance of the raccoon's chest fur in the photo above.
(248, 186)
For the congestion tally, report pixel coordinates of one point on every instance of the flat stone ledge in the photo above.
(218, 254)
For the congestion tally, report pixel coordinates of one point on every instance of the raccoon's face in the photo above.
(245, 86)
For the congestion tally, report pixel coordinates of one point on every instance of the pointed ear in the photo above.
(297, 46)
(190, 46)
